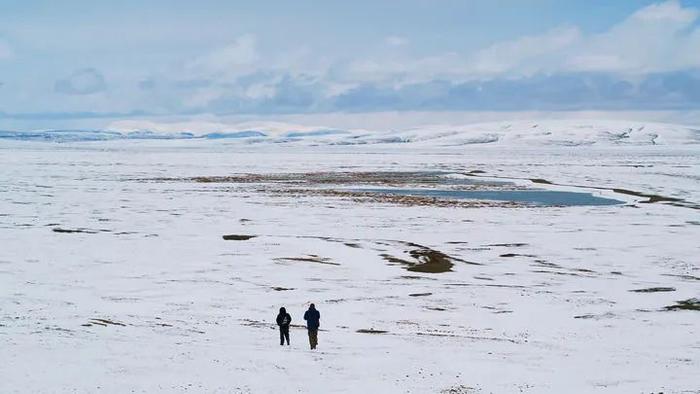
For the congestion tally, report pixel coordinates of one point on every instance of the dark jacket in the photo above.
(284, 318)
(312, 318)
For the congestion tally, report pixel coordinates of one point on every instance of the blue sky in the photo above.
(69, 60)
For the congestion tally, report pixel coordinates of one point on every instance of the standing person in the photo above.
(283, 321)
(312, 318)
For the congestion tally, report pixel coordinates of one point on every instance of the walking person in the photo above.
(312, 317)
(283, 321)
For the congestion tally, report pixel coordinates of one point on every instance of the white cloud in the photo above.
(661, 37)
(657, 38)
(239, 56)
(5, 50)
(525, 55)
(401, 69)
(261, 91)
(396, 41)
(243, 76)
(670, 11)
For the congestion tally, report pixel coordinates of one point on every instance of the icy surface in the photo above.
(114, 281)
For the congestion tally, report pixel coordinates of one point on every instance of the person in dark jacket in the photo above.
(312, 317)
(283, 321)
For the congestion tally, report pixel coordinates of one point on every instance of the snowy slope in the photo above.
(115, 275)
(538, 133)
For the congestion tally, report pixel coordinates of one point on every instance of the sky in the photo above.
(77, 61)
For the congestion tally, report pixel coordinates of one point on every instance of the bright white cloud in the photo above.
(657, 38)
(661, 37)
(667, 30)
(670, 11)
(525, 55)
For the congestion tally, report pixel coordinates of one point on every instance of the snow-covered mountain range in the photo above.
(548, 132)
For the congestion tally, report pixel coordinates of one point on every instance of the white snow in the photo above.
(510, 133)
(198, 311)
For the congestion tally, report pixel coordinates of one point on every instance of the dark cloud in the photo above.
(147, 84)
(678, 90)
(289, 94)
(305, 94)
(85, 81)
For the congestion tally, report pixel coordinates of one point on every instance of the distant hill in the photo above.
(525, 133)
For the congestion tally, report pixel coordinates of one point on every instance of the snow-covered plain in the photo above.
(539, 300)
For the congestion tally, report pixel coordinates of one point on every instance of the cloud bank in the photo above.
(649, 60)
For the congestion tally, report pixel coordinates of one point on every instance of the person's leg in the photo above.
(311, 339)
(314, 338)
(286, 335)
(281, 336)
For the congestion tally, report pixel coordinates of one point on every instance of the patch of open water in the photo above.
(535, 196)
